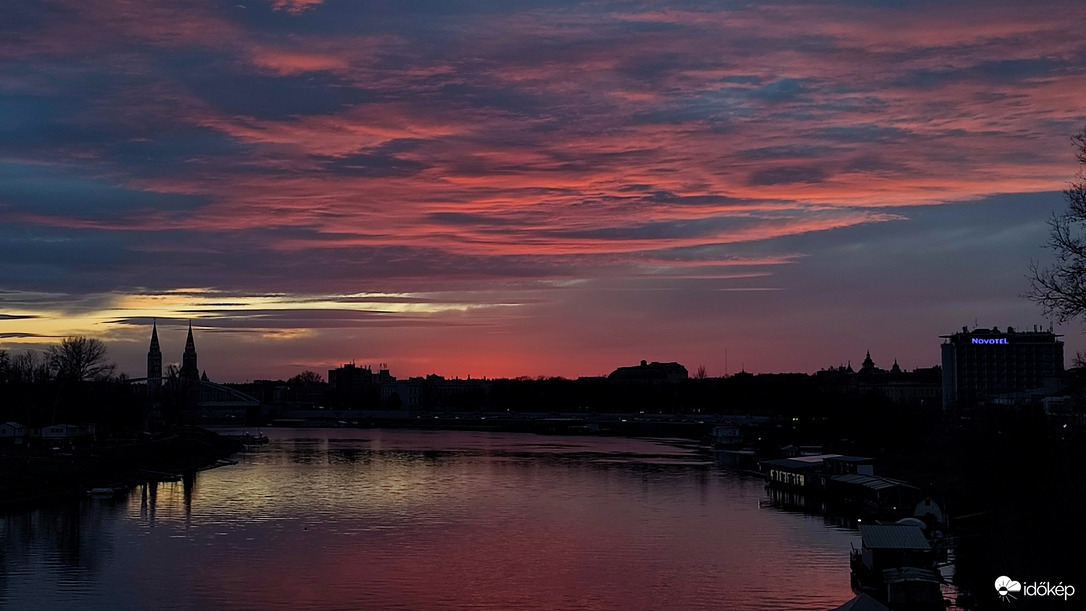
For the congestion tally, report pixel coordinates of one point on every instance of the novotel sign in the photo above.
(990, 340)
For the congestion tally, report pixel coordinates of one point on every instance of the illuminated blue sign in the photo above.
(994, 340)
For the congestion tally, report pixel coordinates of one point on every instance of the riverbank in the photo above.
(30, 478)
(628, 424)
(1014, 489)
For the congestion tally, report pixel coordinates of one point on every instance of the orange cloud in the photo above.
(289, 62)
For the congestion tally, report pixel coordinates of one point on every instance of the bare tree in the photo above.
(27, 368)
(79, 358)
(1061, 288)
(306, 378)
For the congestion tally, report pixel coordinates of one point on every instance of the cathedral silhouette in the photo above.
(189, 371)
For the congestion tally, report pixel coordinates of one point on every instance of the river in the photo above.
(396, 519)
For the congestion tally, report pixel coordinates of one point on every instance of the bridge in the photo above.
(211, 395)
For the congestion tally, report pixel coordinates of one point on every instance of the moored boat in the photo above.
(251, 439)
(895, 565)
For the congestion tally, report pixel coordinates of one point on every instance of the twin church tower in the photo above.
(188, 373)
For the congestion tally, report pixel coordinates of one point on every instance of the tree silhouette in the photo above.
(1061, 288)
(26, 368)
(306, 378)
(79, 358)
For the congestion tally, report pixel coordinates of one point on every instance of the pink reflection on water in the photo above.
(488, 527)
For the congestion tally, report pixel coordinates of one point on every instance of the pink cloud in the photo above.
(566, 139)
(294, 6)
(336, 135)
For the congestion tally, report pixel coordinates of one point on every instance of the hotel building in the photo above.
(983, 364)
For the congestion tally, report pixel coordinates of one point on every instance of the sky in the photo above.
(530, 188)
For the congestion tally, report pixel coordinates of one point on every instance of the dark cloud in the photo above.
(788, 175)
(373, 165)
(863, 133)
(505, 99)
(53, 190)
(37, 126)
(782, 90)
(473, 220)
(176, 153)
(789, 151)
(233, 88)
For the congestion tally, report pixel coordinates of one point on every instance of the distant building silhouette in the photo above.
(351, 377)
(984, 364)
(650, 373)
(154, 360)
(868, 366)
(189, 370)
(921, 386)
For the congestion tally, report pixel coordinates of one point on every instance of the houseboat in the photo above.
(896, 565)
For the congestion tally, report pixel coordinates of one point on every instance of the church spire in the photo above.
(189, 370)
(154, 359)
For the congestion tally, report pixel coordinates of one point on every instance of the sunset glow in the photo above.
(529, 188)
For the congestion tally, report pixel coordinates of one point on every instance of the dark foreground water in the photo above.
(375, 519)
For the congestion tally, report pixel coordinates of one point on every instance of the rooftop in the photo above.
(893, 536)
(863, 602)
(871, 481)
(799, 462)
(1036, 333)
(856, 459)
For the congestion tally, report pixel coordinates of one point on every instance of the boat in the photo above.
(222, 462)
(161, 477)
(911, 588)
(896, 566)
(105, 492)
(862, 602)
(250, 439)
(727, 437)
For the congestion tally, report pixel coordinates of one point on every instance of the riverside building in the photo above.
(984, 364)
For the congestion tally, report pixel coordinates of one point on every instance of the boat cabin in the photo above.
(892, 546)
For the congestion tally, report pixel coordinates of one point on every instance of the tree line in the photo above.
(69, 382)
(75, 359)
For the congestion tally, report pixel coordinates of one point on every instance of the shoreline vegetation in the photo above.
(30, 478)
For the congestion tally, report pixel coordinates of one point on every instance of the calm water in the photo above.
(374, 519)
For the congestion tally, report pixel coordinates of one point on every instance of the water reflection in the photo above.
(68, 545)
(430, 520)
